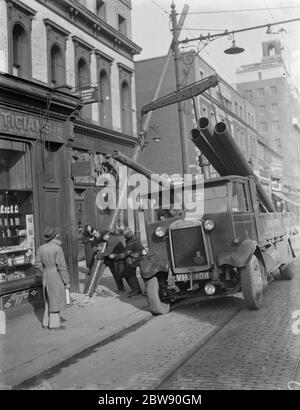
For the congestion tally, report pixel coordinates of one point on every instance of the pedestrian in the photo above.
(50, 262)
(115, 242)
(87, 240)
(131, 256)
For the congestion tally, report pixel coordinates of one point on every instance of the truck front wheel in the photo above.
(287, 271)
(252, 284)
(154, 295)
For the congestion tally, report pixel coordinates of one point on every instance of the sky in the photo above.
(151, 30)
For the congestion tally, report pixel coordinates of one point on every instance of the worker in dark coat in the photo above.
(50, 262)
(87, 240)
(131, 257)
(115, 242)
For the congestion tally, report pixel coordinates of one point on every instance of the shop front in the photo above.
(34, 181)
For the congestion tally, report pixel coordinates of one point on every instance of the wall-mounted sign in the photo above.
(89, 94)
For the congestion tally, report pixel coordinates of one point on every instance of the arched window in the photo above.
(20, 54)
(57, 66)
(271, 51)
(82, 73)
(126, 108)
(83, 80)
(104, 100)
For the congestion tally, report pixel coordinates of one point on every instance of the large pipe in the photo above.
(139, 168)
(239, 162)
(205, 148)
(207, 130)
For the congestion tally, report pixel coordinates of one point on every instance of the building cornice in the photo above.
(23, 7)
(85, 128)
(82, 43)
(103, 55)
(91, 24)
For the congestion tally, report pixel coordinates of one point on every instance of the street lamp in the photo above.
(234, 49)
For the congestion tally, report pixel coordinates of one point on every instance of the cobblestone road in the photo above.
(256, 350)
(229, 347)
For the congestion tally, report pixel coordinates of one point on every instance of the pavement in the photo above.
(27, 350)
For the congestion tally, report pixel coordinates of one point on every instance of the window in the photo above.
(239, 198)
(273, 90)
(274, 108)
(241, 112)
(104, 100)
(19, 51)
(122, 25)
(261, 109)
(260, 92)
(100, 9)
(201, 74)
(259, 75)
(82, 73)
(57, 66)
(271, 51)
(126, 108)
(275, 126)
(249, 94)
(263, 127)
(236, 108)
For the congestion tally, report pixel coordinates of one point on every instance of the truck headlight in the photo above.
(160, 231)
(209, 225)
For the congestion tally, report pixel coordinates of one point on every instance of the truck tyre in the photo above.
(287, 271)
(157, 307)
(277, 274)
(252, 284)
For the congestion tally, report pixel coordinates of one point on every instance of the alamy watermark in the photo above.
(136, 191)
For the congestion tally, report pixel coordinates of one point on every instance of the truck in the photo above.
(239, 243)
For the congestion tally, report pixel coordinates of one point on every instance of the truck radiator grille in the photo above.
(188, 247)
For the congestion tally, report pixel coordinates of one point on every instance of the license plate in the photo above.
(183, 277)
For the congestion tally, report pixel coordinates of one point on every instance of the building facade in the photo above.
(268, 86)
(222, 103)
(67, 89)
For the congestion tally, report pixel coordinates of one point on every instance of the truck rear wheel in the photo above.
(157, 307)
(252, 284)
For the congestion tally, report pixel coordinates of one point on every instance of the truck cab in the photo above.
(233, 244)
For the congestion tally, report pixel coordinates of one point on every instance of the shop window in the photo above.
(104, 101)
(100, 9)
(16, 217)
(57, 66)
(122, 25)
(19, 51)
(126, 108)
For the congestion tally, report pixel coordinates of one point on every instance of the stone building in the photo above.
(67, 98)
(269, 88)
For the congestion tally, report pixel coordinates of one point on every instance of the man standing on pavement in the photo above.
(131, 257)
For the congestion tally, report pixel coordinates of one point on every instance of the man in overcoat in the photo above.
(50, 262)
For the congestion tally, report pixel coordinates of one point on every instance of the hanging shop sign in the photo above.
(18, 298)
(89, 94)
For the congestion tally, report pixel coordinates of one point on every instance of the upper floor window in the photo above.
(82, 73)
(104, 100)
(259, 75)
(122, 24)
(260, 92)
(274, 108)
(271, 51)
(273, 90)
(261, 109)
(126, 108)
(263, 127)
(57, 66)
(275, 126)
(100, 9)
(19, 51)
(249, 94)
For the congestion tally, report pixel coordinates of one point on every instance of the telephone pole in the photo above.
(182, 129)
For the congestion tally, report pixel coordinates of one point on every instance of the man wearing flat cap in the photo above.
(50, 261)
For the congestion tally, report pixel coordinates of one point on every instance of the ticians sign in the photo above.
(30, 126)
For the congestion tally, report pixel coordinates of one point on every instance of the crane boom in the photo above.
(190, 91)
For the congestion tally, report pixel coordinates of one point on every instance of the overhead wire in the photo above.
(243, 10)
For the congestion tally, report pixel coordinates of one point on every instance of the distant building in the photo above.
(222, 103)
(268, 87)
